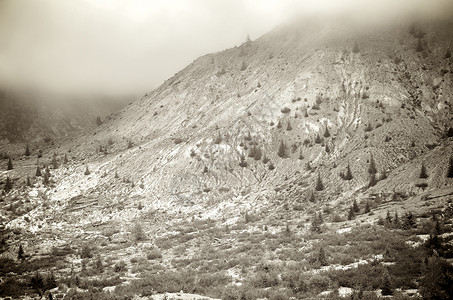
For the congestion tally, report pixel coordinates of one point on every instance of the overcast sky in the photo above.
(132, 46)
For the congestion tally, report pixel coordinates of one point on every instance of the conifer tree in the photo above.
(282, 150)
(87, 171)
(54, 161)
(301, 155)
(386, 286)
(243, 162)
(351, 213)
(308, 166)
(288, 127)
(65, 159)
(355, 206)
(312, 197)
(450, 168)
(28, 181)
(27, 150)
(326, 133)
(20, 253)
(348, 175)
(38, 170)
(8, 185)
(423, 173)
(367, 207)
(372, 167)
(396, 220)
(318, 139)
(10, 164)
(322, 257)
(319, 184)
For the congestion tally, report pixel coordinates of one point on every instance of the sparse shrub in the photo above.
(322, 257)
(86, 251)
(138, 233)
(285, 110)
(154, 254)
(8, 185)
(120, 267)
(386, 286)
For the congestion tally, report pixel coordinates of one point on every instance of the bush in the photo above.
(154, 254)
(120, 267)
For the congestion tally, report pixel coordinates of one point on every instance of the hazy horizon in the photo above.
(131, 47)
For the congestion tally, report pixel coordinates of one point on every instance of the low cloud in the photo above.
(114, 47)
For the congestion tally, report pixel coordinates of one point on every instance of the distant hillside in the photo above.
(35, 118)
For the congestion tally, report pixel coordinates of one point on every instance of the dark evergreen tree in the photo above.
(288, 127)
(282, 150)
(373, 180)
(322, 257)
(271, 166)
(279, 124)
(388, 218)
(436, 281)
(372, 167)
(423, 173)
(384, 175)
(65, 160)
(351, 213)
(312, 197)
(319, 184)
(27, 151)
(8, 185)
(28, 181)
(450, 168)
(301, 155)
(318, 139)
(327, 148)
(20, 253)
(87, 171)
(386, 285)
(396, 220)
(355, 206)
(243, 162)
(10, 164)
(326, 133)
(218, 139)
(308, 166)
(54, 161)
(448, 53)
(348, 175)
(38, 284)
(408, 221)
(367, 207)
(38, 170)
(46, 178)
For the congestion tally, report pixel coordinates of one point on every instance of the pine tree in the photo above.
(38, 171)
(318, 139)
(450, 168)
(322, 257)
(218, 139)
(87, 171)
(319, 184)
(327, 148)
(423, 173)
(396, 220)
(348, 175)
(28, 181)
(308, 166)
(373, 180)
(65, 160)
(326, 133)
(367, 207)
(372, 167)
(243, 162)
(8, 185)
(10, 164)
(351, 213)
(46, 177)
(386, 286)
(388, 218)
(27, 150)
(312, 197)
(289, 127)
(448, 53)
(355, 206)
(20, 253)
(301, 155)
(54, 161)
(282, 150)
(384, 175)
(408, 221)
(116, 175)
